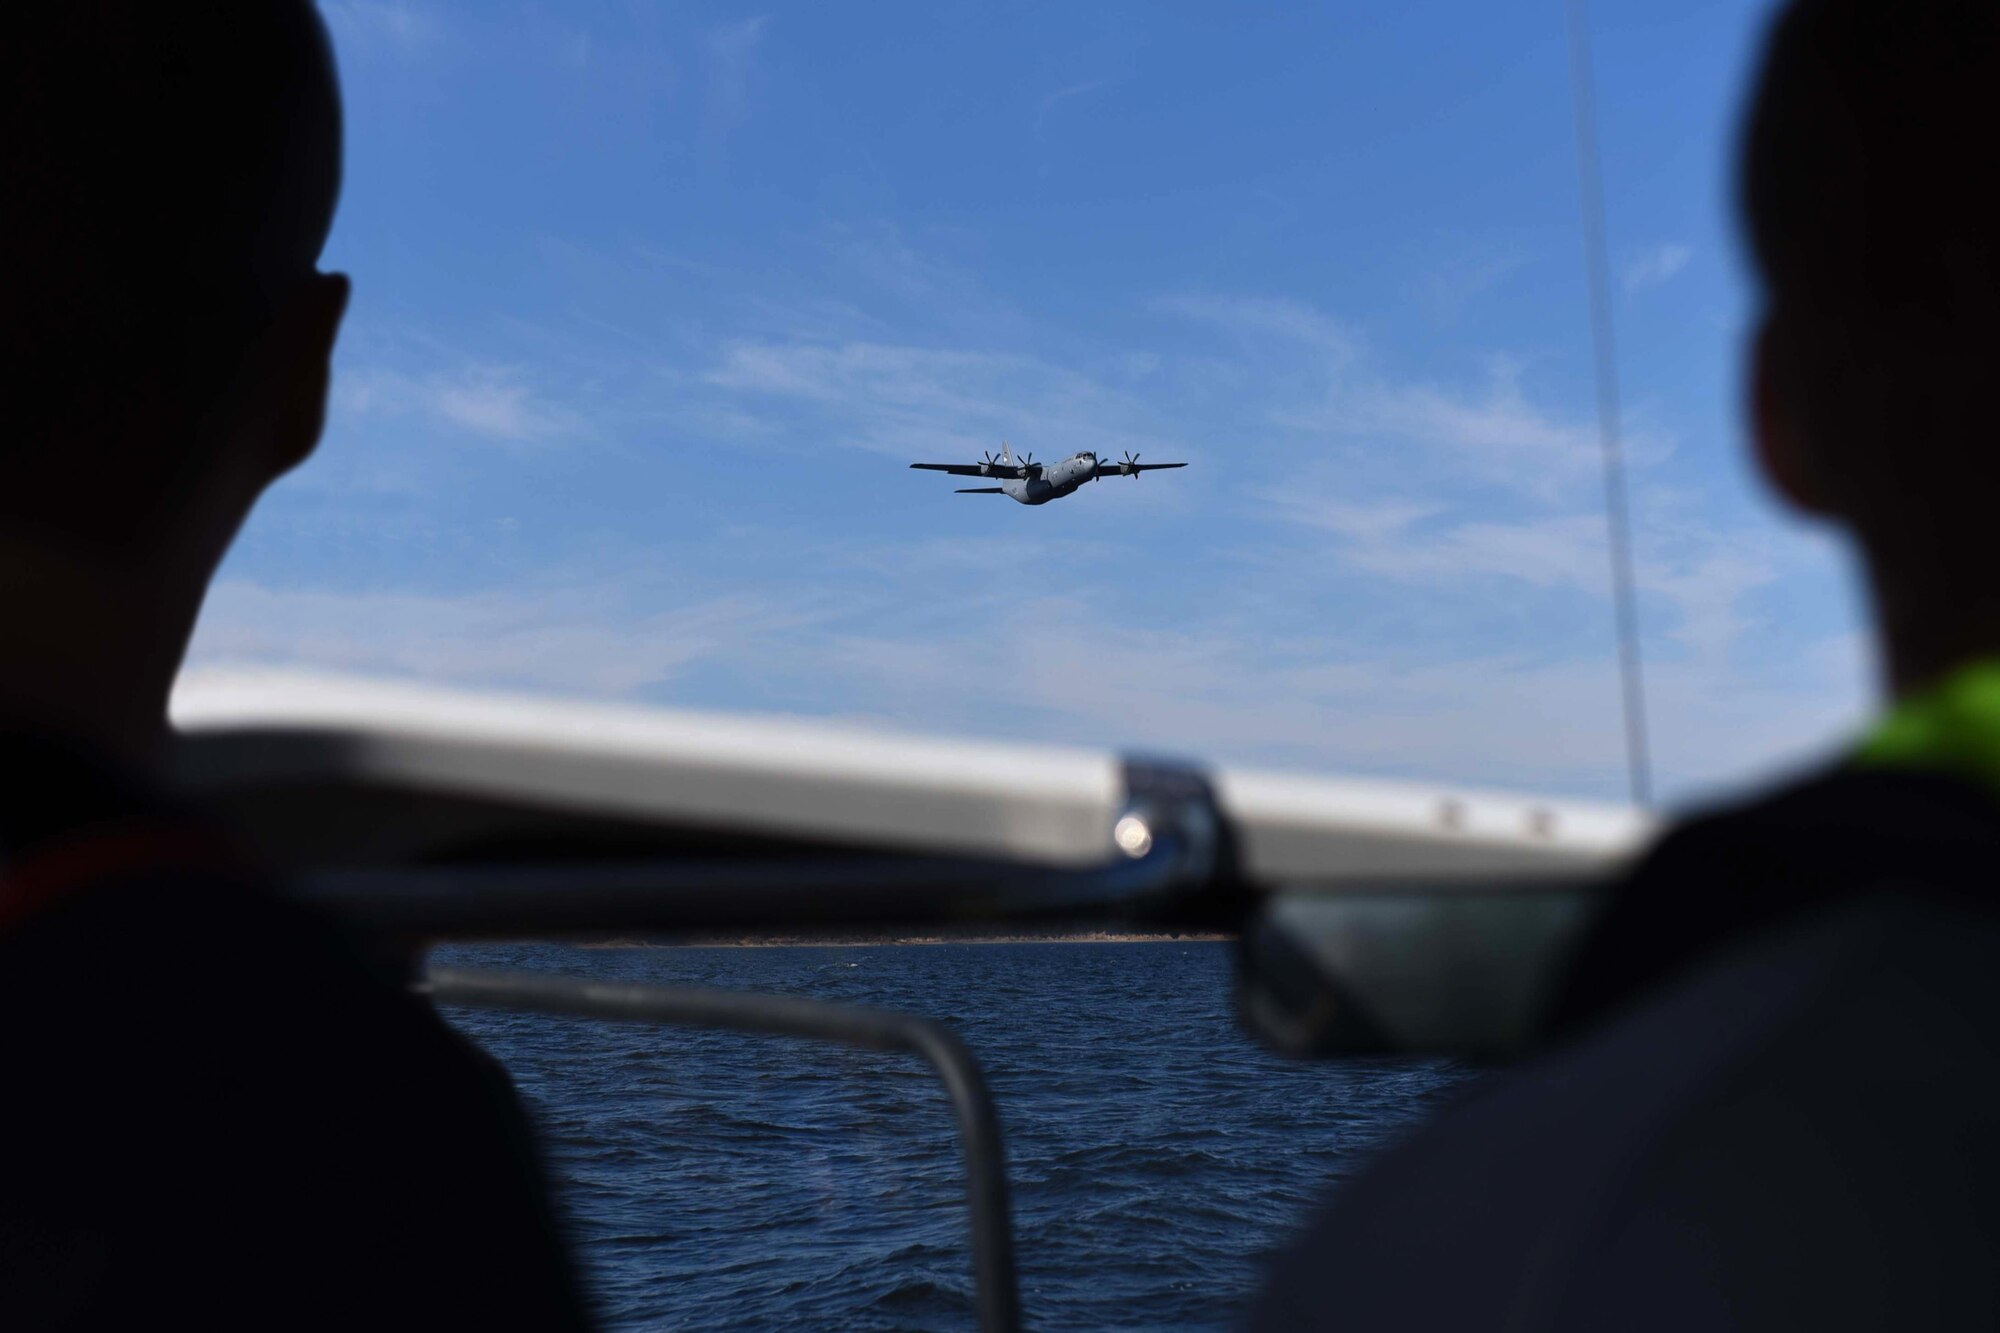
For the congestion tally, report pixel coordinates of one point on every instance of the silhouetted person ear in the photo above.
(1777, 433)
(282, 408)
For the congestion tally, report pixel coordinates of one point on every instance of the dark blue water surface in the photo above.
(720, 1181)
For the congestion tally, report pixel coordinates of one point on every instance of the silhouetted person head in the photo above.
(170, 174)
(1871, 170)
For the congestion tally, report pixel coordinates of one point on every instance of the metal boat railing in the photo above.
(1172, 862)
(996, 1290)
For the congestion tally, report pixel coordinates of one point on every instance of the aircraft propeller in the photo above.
(1130, 466)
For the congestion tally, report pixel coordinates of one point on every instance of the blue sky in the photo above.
(654, 302)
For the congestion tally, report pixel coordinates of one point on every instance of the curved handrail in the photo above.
(996, 1291)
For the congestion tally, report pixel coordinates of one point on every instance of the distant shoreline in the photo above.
(877, 941)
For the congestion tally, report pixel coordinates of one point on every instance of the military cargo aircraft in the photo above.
(1032, 483)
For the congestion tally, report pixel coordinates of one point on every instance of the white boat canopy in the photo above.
(332, 769)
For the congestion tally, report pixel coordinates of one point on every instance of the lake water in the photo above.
(721, 1181)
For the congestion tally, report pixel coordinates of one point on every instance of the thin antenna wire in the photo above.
(1617, 514)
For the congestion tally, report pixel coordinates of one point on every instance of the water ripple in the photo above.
(722, 1181)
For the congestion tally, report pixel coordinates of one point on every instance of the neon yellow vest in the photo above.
(1953, 727)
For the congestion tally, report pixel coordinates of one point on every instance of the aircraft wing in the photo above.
(1130, 469)
(972, 469)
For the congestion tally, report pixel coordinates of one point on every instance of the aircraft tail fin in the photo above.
(1006, 454)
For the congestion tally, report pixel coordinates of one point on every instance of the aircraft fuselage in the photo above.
(1056, 481)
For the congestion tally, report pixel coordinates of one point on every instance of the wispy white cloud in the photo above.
(576, 638)
(908, 293)
(1453, 283)
(1489, 429)
(1566, 551)
(1708, 581)
(731, 57)
(907, 401)
(491, 407)
(1493, 432)
(1696, 580)
(376, 27)
(1655, 265)
(732, 44)
(1373, 523)
(1061, 95)
(489, 402)
(1382, 538)
(1222, 690)
(1258, 317)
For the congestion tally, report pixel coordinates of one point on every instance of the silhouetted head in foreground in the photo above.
(170, 177)
(1870, 166)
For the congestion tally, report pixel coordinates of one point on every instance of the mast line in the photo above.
(1617, 510)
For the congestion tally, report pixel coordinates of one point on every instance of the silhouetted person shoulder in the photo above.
(1772, 1098)
(215, 1110)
